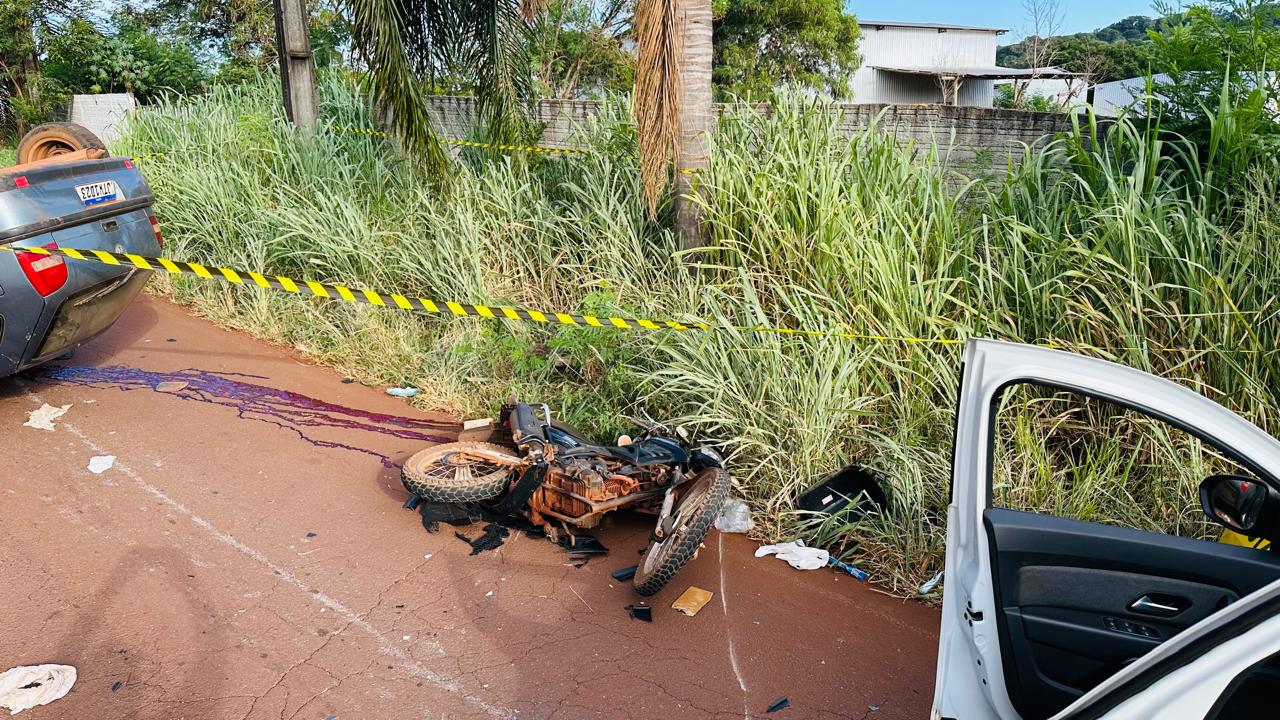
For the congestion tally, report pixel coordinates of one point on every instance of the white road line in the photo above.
(728, 630)
(386, 646)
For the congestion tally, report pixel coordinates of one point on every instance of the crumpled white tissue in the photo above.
(50, 683)
(43, 418)
(795, 553)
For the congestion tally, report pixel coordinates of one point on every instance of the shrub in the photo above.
(1106, 241)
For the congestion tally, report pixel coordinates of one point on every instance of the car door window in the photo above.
(1083, 458)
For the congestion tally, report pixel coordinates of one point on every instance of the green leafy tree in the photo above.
(577, 48)
(26, 97)
(1103, 61)
(1217, 46)
(83, 59)
(239, 35)
(762, 44)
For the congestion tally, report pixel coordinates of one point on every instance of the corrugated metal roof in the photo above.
(992, 72)
(929, 26)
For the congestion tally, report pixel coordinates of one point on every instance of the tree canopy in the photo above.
(762, 44)
(578, 48)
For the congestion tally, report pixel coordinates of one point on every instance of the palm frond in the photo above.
(399, 47)
(413, 46)
(496, 59)
(657, 95)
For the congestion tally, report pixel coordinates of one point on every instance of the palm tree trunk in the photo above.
(697, 116)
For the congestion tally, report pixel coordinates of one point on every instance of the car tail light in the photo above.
(21, 181)
(155, 228)
(47, 273)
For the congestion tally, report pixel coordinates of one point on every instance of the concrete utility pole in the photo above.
(297, 67)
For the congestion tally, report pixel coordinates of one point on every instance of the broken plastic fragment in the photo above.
(641, 612)
(735, 517)
(781, 703)
(493, 537)
(99, 464)
(930, 584)
(403, 392)
(583, 545)
(43, 418)
(625, 573)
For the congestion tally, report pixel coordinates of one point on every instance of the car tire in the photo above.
(56, 138)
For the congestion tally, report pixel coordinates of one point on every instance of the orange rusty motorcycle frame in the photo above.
(579, 493)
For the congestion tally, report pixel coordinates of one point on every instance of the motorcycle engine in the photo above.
(574, 487)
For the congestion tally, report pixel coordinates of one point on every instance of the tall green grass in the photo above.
(1111, 241)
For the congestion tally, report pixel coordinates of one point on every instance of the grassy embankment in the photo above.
(1138, 254)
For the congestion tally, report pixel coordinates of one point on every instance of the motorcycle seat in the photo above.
(525, 426)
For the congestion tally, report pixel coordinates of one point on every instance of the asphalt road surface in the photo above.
(246, 556)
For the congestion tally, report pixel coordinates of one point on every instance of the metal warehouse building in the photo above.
(920, 63)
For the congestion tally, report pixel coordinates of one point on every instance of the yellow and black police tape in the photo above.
(399, 301)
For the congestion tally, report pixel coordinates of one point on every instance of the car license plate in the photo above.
(99, 192)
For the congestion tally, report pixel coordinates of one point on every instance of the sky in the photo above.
(1077, 15)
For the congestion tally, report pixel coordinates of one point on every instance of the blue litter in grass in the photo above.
(404, 392)
(855, 572)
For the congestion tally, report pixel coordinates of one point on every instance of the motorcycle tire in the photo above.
(436, 476)
(696, 512)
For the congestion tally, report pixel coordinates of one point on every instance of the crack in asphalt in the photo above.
(385, 645)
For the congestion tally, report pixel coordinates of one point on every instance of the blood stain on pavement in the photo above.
(252, 401)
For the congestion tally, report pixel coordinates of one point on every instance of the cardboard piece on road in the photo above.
(692, 600)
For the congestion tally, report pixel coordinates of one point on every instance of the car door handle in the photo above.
(1159, 604)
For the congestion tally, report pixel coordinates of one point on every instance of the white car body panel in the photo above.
(970, 681)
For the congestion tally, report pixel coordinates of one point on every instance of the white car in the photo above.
(1049, 617)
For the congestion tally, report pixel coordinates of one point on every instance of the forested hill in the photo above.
(1117, 51)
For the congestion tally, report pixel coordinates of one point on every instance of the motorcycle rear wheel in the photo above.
(695, 513)
(444, 474)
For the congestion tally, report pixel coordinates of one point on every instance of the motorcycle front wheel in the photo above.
(459, 472)
(694, 514)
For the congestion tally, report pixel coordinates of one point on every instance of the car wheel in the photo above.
(56, 138)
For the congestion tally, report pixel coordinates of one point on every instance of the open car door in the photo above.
(1038, 610)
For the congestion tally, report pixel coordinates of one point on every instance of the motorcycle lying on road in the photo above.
(559, 481)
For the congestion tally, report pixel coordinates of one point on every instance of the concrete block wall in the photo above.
(102, 114)
(972, 136)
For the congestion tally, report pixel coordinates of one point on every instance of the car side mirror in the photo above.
(1245, 505)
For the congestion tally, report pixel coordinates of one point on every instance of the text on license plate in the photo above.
(99, 192)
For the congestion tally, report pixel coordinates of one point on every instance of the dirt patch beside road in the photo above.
(246, 557)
